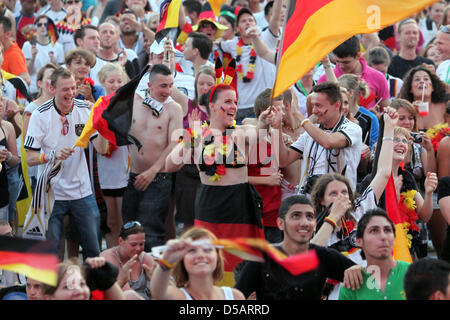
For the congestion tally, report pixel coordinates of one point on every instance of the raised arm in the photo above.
(277, 18)
(384, 167)
(260, 47)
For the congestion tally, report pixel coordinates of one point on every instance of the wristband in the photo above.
(330, 221)
(388, 138)
(10, 157)
(42, 158)
(165, 266)
(304, 122)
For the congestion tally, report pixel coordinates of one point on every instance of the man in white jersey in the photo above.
(53, 129)
(333, 146)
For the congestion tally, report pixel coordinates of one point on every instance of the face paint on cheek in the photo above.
(222, 109)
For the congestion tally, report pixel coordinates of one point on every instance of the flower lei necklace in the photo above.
(251, 65)
(436, 134)
(408, 213)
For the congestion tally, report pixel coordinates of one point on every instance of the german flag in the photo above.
(52, 32)
(256, 249)
(111, 116)
(32, 258)
(169, 11)
(229, 212)
(315, 28)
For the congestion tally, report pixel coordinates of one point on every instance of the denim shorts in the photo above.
(150, 207)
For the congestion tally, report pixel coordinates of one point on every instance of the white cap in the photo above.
(157, 48)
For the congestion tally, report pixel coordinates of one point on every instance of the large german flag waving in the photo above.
(32, 258)
(315, 28)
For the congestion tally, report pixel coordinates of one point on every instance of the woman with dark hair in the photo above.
(420, 82)
(227, 18)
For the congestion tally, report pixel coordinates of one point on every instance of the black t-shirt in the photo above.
(399, 66)
(272, 282)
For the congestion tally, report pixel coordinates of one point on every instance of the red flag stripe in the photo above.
(38, 261)
(303, 11)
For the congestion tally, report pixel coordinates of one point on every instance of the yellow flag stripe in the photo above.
(348, 17)
(45, 276)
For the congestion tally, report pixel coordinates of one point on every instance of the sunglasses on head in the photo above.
(130, 225)
(445, 29)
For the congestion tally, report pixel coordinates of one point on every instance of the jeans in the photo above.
(4, 213)
(14, 190)
(149, 207)
(85, 217)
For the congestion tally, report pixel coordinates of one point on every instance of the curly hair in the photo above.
(439, 93)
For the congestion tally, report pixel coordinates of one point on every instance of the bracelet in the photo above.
(10, 157)
(388, 138)
(304, 122)
(165, 265)
(42, 158)
(330, 221)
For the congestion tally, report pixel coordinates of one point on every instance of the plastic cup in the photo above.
(423, 108)
(2, 147)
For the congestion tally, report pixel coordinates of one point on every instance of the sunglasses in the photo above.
(72, 2)
(40, 24)
(445, 29)
(130, 225)
(65, 125)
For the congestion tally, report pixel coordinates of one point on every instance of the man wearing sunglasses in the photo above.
(443, 45)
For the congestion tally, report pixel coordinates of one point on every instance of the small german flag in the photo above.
(33, 258)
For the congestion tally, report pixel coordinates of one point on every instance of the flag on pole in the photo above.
(315, 28)
(169, 12)
(32, 258)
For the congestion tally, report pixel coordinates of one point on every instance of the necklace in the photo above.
(291, 129)
(251, 65)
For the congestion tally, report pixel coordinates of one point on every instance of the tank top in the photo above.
(4, 194)
(142, 284)
(191, 107)
(226, 291)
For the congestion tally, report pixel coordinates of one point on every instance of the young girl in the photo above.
(113, 166)
(195, 268)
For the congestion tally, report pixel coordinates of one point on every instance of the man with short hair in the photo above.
(407, 57)
(382, 278)
(349, 60)
(13, 59)
(333, 146)
(155, 118)
(428, 279)
(196, 49)
(34, 289)
(87, 37)
(297, 220)
(54, 10)
(130, 35)
(110, 52)
(52, 132)
(24, 17)
(192, 10)
(254, 73)
(442, 43)
(432, 21)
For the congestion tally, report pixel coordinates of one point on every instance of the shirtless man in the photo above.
(146, 198)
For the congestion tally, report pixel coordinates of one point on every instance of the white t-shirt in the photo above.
(428, 35)
(261, 21)
(44, 134)
(264, 71)
(42, 58)
(301, 98)
(443, 71)
(318, 161)
(113, 171)
(55, 16)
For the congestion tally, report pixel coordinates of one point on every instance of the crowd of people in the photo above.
(212, 155)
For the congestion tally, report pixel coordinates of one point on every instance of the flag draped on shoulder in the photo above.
(32, 258)
(314, 28)
(36, 220)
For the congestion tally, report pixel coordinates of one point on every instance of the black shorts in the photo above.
(116, 193)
